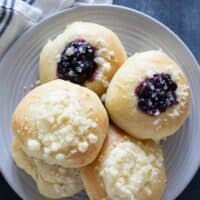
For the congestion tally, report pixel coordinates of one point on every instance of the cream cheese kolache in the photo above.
(149, 96)
(126, 169)
(61, 123)
(85, 53)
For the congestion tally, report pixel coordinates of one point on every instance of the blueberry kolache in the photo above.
(85, 53)
(149, 96)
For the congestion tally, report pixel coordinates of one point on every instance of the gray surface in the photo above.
(183, 18)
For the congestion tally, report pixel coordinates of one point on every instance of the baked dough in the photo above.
(109, 54)
(61, 123)
(53, 181)
(122, 103)
(126, 169)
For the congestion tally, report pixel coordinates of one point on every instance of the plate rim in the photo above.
(104, 6)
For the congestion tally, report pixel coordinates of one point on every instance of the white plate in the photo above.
(138, 32)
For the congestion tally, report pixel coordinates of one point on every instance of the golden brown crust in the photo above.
(60, 109)
(121, 101)
(113, 52)
(94, 183)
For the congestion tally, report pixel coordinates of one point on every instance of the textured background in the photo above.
(183, 17)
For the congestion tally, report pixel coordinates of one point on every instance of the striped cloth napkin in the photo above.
(18, 15)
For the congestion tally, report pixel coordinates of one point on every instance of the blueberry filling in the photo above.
(156, 94)
(77, 62)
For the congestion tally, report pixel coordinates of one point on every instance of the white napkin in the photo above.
(17, 15)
